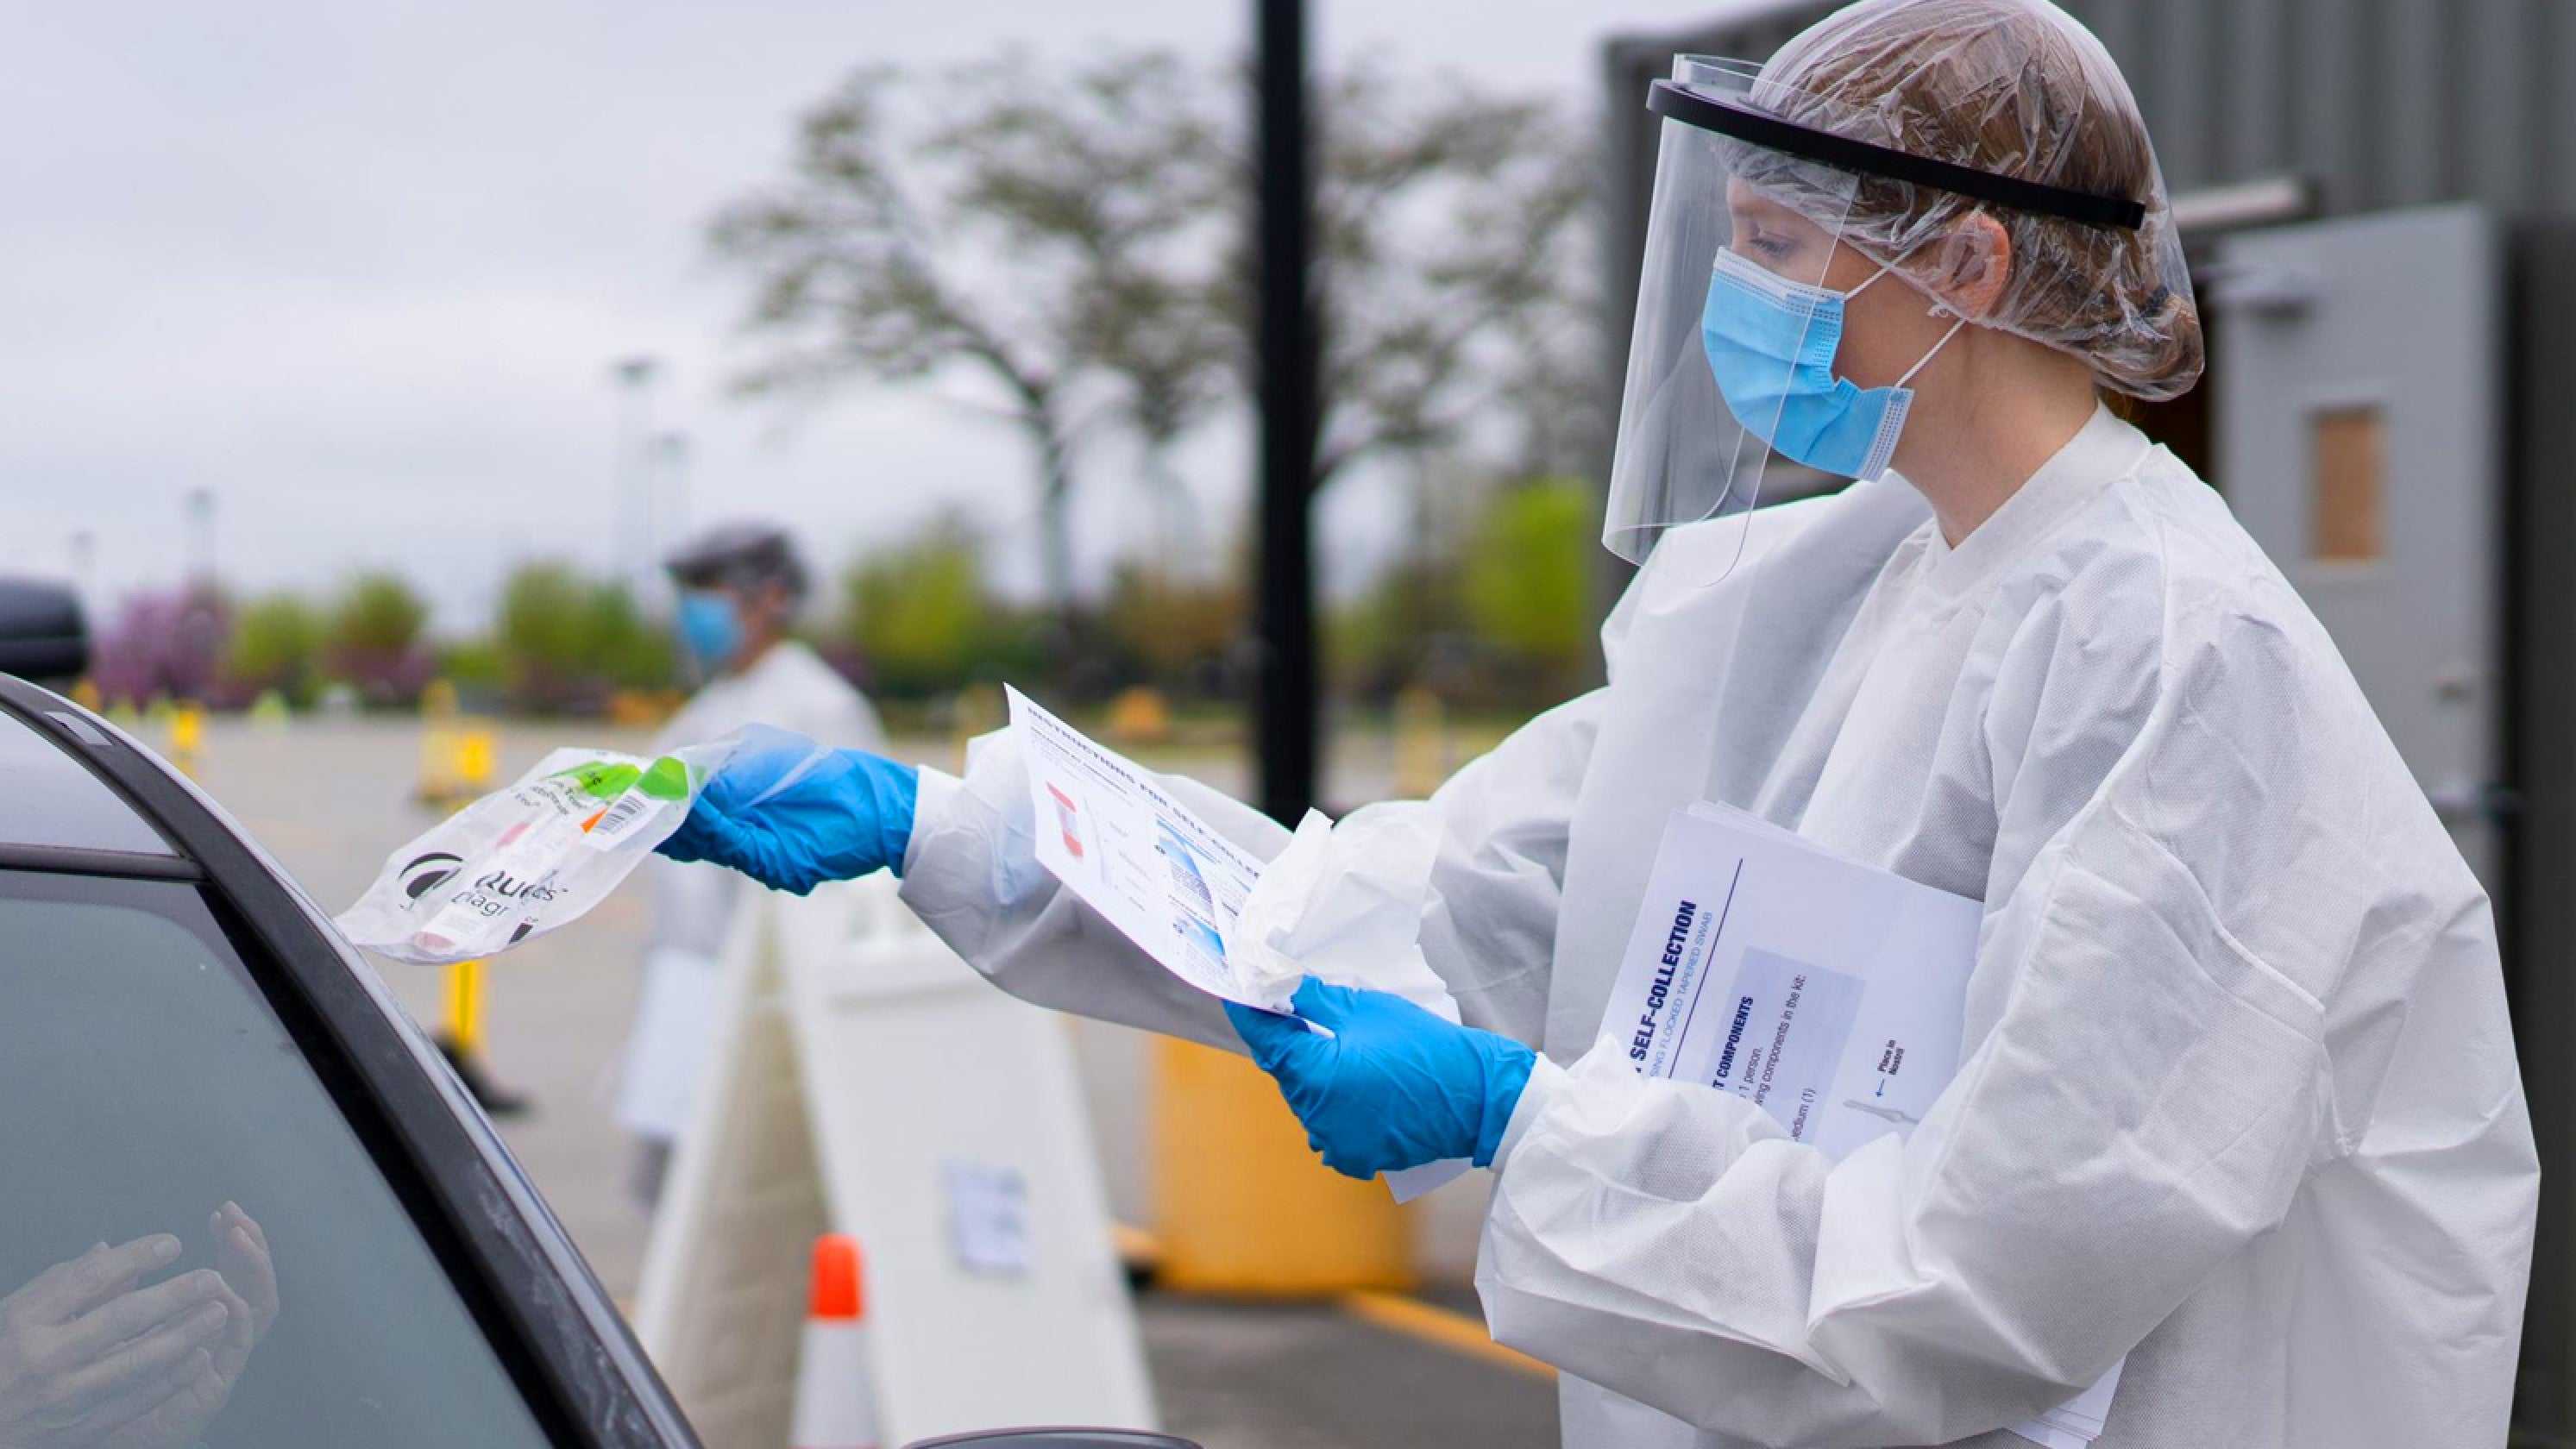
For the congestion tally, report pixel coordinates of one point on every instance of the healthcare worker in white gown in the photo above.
(2238, 1098)
(741, 585)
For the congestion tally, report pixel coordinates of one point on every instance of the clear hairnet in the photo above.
(2016, 88)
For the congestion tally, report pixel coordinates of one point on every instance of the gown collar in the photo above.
(2101, 453)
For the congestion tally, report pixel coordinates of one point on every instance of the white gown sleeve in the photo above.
(2143, 1096)
(1488, 924)
(971, 873)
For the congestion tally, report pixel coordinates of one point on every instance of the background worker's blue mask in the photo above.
(1771, 345)
(709, 626)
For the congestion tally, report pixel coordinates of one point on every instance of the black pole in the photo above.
(1283, 622)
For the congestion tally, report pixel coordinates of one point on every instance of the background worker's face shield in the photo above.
(1764, 226)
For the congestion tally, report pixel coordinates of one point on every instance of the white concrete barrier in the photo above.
(867, 1081)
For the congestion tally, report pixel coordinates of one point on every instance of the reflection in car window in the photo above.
(195, 1249)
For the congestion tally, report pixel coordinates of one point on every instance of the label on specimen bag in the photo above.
(522, 861)
(1829, 993)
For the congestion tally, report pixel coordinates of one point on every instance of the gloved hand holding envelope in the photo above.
(1340, 904)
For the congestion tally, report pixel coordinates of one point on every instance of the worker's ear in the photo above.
(1971, 266)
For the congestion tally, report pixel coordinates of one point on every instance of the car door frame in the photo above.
(555, 1328)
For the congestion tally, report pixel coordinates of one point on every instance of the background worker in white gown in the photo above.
(741, 587)
(2238, 1099)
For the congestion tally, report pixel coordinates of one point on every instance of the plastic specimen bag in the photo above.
(522, 861)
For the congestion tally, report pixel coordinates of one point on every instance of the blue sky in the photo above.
(361, 269)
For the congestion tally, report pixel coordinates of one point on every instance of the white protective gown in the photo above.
(2238, 1096)
(693, 905)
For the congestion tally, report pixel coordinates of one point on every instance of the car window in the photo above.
(51, 799)
(149, 1100)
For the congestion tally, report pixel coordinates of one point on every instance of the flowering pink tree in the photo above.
(163, 643)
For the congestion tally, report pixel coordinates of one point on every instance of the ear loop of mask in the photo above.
(1937, 309)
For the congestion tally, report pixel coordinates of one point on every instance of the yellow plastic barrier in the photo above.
(638, 709)
(439, 786)
(458, 761)
(1241, 1204)
(438, 699)
(1139, 715)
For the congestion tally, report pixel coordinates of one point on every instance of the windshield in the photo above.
(195, 1248)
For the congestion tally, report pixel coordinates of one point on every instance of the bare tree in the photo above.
(1076, 237)
(1133, 183)
(978, 251)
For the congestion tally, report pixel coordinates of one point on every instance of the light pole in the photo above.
(201, 536)
(83, 556)
(671, 457)
(1283, 621)
(633, 495)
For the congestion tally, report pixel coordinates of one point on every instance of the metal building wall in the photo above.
(2377, 104)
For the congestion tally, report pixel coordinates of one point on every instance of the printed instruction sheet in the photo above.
(1829, 993)
(1160, 874)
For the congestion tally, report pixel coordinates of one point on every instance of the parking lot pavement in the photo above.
(1268, 1376)
(330, 799)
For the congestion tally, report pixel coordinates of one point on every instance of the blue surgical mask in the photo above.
(710, 627)
(1771, 347)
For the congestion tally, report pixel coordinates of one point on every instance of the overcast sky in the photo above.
(361, 269)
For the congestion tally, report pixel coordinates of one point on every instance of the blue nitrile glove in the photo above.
(1394, 1086)
(848, 813)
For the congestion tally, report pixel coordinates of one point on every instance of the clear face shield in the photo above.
(1731, 381)
(1684, 454)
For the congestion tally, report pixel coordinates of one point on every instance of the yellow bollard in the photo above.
(1421, 744)
(465, 1007)
(456, 764)
(1241, 1204)
(460, 1039)
(473, 759)
(187, 736)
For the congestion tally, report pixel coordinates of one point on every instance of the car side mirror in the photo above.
(42, 636)
(1058, 1438)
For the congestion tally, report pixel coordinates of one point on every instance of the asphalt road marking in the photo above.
(1434, 1325)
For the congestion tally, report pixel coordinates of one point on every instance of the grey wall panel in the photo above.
(2254, 105)
(2541, 740)
(2179, 59)
(2553, 139)
(2416, 85)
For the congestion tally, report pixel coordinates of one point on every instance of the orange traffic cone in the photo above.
(836, 1405)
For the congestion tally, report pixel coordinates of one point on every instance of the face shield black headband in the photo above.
(1842, 153)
